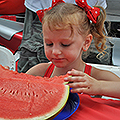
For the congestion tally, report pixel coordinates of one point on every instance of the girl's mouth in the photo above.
(58, 59)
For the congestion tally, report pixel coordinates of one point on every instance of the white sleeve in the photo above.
(102, 3)
(97, 2)
(36, 5)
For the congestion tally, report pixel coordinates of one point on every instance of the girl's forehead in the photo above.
(57, 25)
(60, 34)
(52, 28)
(56, 33)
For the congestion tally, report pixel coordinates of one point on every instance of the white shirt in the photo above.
(36, 5)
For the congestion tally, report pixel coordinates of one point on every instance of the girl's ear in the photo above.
(87, 42)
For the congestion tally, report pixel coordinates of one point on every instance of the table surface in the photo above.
(104, 108)
(96, 109)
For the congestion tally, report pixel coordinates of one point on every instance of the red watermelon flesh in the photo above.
(4, 73)
(23, 98)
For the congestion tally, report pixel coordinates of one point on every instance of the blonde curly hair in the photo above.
(66, 15)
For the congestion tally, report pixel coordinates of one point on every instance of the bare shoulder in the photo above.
(39, 69)
(104, 75)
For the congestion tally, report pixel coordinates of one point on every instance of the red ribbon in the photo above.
(40, 13)
(92, 13)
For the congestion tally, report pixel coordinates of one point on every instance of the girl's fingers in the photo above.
(78, 85)
(75, 76)
(74, 72)
(74, 79)
(80, 90)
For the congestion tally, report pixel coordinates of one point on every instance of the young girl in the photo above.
(68, 30)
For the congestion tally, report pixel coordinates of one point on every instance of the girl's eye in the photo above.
(65, 45)
(49, 44)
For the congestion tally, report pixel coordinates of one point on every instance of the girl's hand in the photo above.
(82, 83)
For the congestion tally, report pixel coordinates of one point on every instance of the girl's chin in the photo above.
(59, 65)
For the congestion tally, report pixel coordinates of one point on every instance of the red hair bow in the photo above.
(92, 13)
(40, 13)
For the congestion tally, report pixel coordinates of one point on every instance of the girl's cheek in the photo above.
(47, 51)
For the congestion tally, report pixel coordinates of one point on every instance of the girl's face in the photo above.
(61, 48)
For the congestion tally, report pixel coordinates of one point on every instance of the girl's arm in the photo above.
(38, 70)
(104, 75)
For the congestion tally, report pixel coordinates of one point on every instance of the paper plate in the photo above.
(7, 58)
(70, 107)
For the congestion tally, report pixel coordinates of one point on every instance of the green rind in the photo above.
(65, 83)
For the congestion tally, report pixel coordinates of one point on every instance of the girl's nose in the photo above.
(56, 51)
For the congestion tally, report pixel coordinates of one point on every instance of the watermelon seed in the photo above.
(10, 92)
(13, 92)
(4, 91)
(1, 89)
(25, 94)
(16, 92)
(36, 95)
(33, 94)
(45, 91)
(51, 92)
(28, 94)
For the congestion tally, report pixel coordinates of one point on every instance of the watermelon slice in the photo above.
(24, 97)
